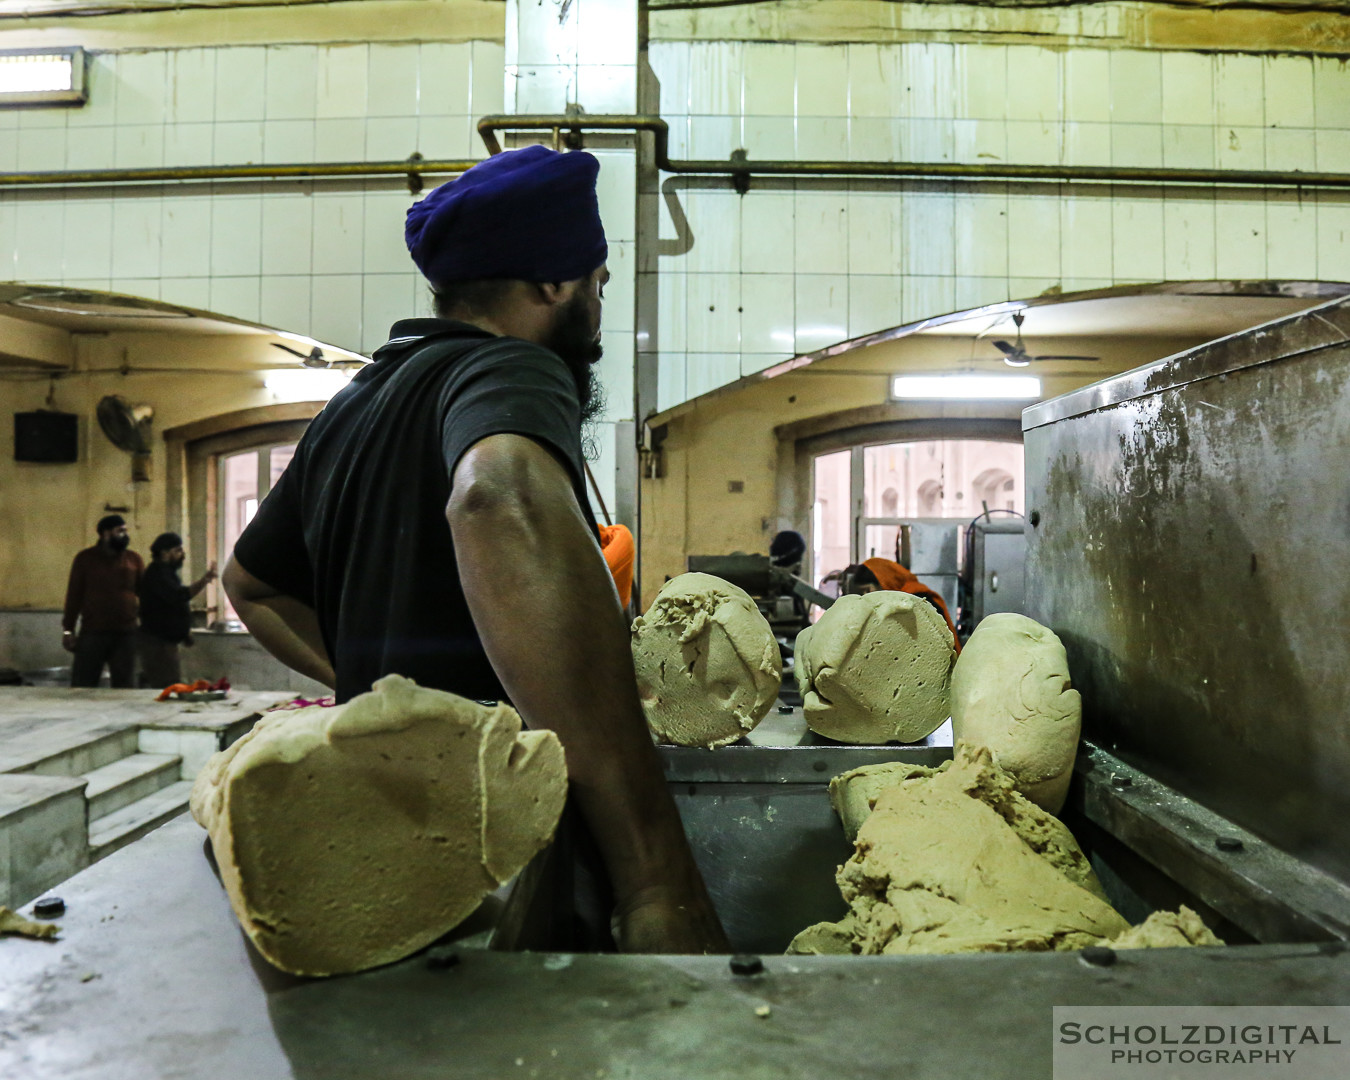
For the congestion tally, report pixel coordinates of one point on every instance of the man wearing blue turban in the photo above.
(434, 521)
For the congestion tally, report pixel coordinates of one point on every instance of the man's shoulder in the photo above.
(431, 339)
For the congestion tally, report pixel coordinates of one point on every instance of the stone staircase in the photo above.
(86, 773)
(130, 796)
(127, 792)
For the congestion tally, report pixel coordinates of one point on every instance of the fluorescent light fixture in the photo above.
(42, 77)
(965, 387)
(306, 384)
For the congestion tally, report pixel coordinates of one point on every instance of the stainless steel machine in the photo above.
(993, 578)
(1189, 541)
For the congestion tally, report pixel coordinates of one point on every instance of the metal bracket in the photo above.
(740, 179)
(414, 177)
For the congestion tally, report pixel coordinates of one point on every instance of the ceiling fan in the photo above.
(315, 358)
(1016, 355)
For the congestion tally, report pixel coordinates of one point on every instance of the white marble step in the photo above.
(68, 749)
(123, 782)
(121, 827)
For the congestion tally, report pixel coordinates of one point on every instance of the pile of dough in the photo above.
(876, 669)
(953, 859)
(708, 667)
(1011, 693)
(351, 836)
(1166, 930)
(854, 795)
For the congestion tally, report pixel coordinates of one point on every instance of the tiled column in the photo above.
(584, 53)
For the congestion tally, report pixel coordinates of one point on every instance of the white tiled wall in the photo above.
(323, 259)
(794, 266)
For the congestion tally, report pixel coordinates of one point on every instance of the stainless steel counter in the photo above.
(153, 979)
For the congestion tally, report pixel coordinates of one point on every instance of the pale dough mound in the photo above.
(953, 859)
(1166, 930)
(1011, 692)
(937, 868)
(854, 794)
(876, 669)
(708, 667)
(351, 836)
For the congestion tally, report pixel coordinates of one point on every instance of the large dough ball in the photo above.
(708, 667)
(876, 669)
(351, 836)
(1011, 692)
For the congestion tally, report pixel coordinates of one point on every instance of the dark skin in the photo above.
(511, 502)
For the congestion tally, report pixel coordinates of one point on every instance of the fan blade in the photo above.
(1006, 347)
(1051, 356)
(287, 348)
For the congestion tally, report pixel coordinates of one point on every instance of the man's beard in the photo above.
(573, 340)
(118, 543)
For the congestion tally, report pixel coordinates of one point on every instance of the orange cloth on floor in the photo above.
(896, 578)
(617, 543)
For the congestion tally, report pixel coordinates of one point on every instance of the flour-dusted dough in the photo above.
(708, 667)
(876, 669)
(953, 859)
(351, 836)
(854, 794)
(1011, 692)
(1166, 930)
(938, 868)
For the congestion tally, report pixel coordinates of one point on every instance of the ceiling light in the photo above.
(42, 77)
(965, 387)
(306, 384)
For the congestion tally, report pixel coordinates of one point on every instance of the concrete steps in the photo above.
(122, 782)
(118, 829)
(91, 752)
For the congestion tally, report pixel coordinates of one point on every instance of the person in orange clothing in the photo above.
(883, 574)
(617, 543)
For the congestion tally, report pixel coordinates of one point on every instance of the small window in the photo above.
(245, 479)
(31, 77)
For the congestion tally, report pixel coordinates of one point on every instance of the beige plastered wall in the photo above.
(747, 437)
(49, 511)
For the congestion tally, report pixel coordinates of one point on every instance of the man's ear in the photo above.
(552, 292)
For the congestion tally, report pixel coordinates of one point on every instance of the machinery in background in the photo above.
(993, 574)
(928, 549)
(782, 598)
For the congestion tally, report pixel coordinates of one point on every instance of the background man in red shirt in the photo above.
(101, 597)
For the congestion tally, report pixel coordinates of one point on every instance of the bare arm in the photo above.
(546, 610)
(203, 581)
(285, 627)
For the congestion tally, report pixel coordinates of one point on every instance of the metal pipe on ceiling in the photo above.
(414, 168)
(568, 129)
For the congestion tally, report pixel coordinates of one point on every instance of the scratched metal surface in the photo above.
(153, 979)
(1193, 552)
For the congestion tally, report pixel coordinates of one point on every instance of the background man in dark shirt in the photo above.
(457, 454)
(101, 598)
(166, 619)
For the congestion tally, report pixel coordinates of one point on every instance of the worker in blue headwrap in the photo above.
(434, 521)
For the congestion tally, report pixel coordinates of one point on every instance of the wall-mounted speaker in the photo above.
(47, 437)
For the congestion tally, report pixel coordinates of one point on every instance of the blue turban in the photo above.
(527, 215)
